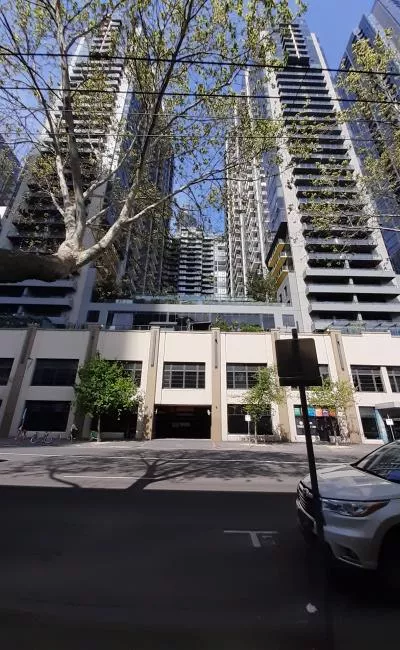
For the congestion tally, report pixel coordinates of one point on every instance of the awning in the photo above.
(387, 406)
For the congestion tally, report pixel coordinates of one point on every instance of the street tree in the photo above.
(337, 395)
(182, 62)
(105, 386)
(258, 400)
(261, 287)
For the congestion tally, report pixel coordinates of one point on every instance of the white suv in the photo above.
(361, 510)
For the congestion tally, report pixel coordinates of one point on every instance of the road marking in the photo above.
(254, 535)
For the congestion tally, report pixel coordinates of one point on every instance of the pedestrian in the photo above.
(73, 431)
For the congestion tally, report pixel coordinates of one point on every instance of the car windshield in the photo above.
(384, 462)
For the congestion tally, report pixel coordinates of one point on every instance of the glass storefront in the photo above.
(323, 422)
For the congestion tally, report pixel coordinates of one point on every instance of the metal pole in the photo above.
(248, 432)
(311, 459)
(390, 427)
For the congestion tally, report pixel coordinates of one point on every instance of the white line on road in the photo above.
(254, 535)
(171, 460)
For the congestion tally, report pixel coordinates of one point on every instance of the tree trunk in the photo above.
(98, 429)
(16, 266)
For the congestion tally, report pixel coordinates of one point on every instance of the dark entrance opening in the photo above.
(114, 425)
(182, 422)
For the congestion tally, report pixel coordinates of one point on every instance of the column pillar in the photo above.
(343, 373)
(16, 382)
(145, 424)
(283, 409)
(216, 419)
(83, 422)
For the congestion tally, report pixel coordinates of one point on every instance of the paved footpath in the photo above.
(172, 464)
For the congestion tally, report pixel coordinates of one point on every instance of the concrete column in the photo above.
(15, 387)
(216, 419)
(343, 373)
(82, 422)
(146, 416)
(283, 410)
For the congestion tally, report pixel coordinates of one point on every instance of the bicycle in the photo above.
(21, 435)
(35, 438)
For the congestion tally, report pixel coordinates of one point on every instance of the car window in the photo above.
(384, 462)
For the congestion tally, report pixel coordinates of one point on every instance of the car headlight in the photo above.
(352, 508)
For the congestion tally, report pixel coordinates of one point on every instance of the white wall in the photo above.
(50, 344)
(184, 347)
(126, 346)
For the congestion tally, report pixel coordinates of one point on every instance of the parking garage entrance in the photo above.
(182, 421)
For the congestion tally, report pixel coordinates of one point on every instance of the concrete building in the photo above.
(9, 172)
(133, 264)
(195, 263)
(384, 15)
(246, 210)
(193, 383)
(190, 313)
(332, 278)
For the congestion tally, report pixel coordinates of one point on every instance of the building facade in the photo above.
(9, 172)
(195, 263)
(193, 383)
(133, 264)
(335, 279)
(385, 15)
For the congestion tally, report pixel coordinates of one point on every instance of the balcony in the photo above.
(357, 289)
(370, 307)
(361, 244)
(361, 257)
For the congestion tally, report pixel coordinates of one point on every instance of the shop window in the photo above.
(55, 372)
(367, 379)
(5, 369)
(242, 376)
(369, 422)
(46, 416)
(323, 422)
(184, 375)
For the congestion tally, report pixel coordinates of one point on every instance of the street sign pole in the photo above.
(311, 457)
(389, 422)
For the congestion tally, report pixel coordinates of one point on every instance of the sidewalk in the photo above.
(179, 444)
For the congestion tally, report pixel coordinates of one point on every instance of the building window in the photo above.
(394, 378)
(367, 379)
(5, 369)
(369, 423)
(238, 425)
(184, 375)
(55, 372)
(92, 316)
(324, 371)
(242, 376)
(46, 416)
(135, 368)
(288, 320)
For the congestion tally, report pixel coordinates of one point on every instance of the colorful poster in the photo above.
(318, 412)
(297, 411)
(325, 413)
(332, 413)
(311, 411)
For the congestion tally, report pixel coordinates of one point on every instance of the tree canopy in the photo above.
(105, 386)
(181, 62)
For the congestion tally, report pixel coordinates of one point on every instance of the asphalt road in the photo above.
(178, 555)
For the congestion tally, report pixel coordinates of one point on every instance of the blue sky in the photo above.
(333, 21)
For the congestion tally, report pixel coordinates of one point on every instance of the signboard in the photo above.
(389, 422)
(247, 417)
(297, 362)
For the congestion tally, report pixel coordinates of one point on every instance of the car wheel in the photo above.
(389, 565)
